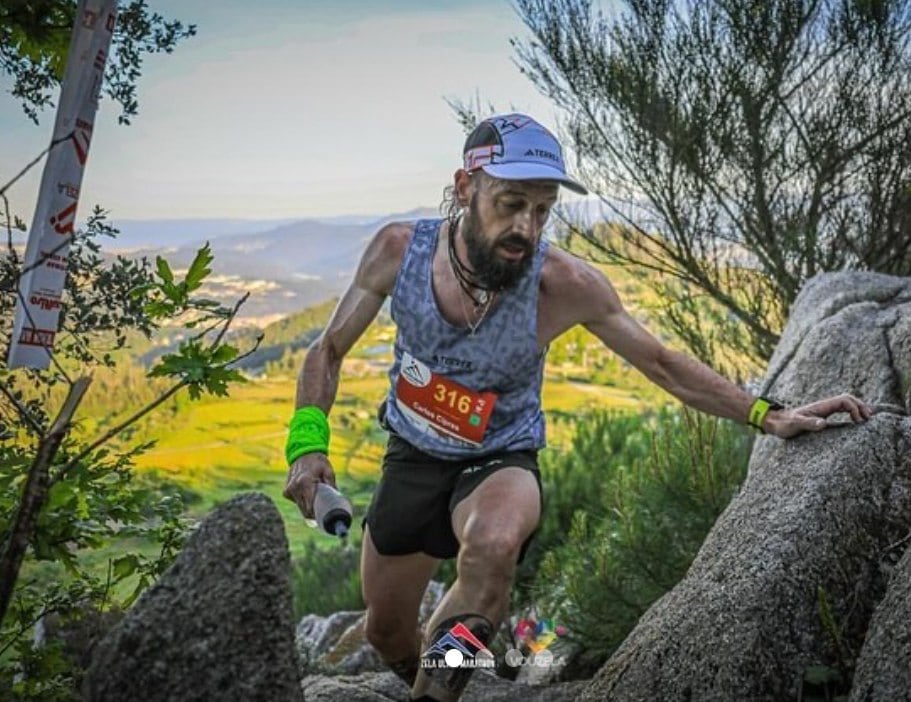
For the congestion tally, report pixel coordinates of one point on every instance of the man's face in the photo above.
(503, 226)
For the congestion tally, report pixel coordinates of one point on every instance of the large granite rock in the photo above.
(884, 665)
(386, 687)
(216, 626)
(815, 514)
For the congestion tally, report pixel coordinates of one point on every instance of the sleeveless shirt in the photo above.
(456, 393)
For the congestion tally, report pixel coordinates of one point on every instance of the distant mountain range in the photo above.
(285, 266)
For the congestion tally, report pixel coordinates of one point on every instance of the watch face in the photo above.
(773, 404)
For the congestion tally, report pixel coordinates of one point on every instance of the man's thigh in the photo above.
(506, 500)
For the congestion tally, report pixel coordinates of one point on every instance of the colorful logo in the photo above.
(456, 648)
(538, 635)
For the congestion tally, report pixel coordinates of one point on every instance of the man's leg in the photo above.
(491, 525)
(393, 587)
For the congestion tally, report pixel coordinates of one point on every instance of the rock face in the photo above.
(216, 626)
(817, 514)
(884, 665)
(385, 687)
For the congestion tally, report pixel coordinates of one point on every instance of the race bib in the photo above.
(432, 401)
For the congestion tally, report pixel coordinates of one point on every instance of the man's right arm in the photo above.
(318, 380)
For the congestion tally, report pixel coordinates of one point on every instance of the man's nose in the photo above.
(524, 224)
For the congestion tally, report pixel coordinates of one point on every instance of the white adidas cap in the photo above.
(516, 147)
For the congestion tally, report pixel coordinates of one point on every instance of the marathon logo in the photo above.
(53, 261)
(37, 337)
(541, 153)
(45, 303)
(63, 221)
(81, 138)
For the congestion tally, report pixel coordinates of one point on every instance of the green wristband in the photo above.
(759, 409)
(308, 433)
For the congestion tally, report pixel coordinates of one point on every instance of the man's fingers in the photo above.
(300, 489)
(859, 410)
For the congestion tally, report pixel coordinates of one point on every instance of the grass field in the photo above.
(224, 446)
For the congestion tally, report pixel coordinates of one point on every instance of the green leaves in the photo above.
(164, 270)
(95, 501)
(171, 298)
(125, 566)
(202, 368)
(199, 269)
(35, 37)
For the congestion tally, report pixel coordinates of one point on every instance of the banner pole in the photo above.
(45, 263)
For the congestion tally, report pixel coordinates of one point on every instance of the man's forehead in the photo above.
(528, 188)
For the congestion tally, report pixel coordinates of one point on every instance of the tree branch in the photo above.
(34, 496)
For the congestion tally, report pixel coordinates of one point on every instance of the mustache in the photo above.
(516, 241)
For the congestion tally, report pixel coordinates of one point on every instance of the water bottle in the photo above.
(332, 511)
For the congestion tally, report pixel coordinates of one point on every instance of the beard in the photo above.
(489, 269)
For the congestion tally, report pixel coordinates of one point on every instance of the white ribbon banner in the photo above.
(45, 264)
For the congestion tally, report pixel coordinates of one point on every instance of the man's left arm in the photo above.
(691, 381)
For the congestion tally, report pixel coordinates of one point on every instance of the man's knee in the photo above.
(490, 550)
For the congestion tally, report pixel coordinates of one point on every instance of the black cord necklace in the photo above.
(463, 274)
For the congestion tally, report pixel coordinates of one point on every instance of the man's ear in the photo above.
(463, 186)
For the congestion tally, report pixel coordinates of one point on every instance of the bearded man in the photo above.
(477, 297)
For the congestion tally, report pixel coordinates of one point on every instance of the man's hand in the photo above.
(788, 423)
(303, 476)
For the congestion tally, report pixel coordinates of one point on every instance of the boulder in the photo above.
(216, 626)
(386, 687)
(809, 526)
(884, 665)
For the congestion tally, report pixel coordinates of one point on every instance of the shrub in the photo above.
(326, 578)
(633, 535)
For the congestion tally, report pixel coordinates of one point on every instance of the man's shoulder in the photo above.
(392, 238)
(383, 256)
(564, 274)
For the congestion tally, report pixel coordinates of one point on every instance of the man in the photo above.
(477, 298)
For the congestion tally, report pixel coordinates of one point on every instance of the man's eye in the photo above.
(512, 205)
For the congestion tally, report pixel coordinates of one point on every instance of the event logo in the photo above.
(414, 371)
(63, 221)
(535, 638)
(538, 635)
(81, 138)
(457, 648)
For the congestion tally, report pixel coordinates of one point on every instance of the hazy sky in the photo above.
(294, 108)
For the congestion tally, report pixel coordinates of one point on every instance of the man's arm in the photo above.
(318, 380)
(317, 383)
(584, 288)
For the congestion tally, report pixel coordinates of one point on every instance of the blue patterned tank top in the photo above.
(457, 394)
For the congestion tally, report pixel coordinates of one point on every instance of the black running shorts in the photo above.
(411, 509)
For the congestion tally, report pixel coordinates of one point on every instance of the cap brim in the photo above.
(533, 171)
